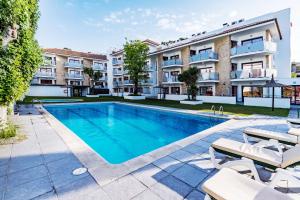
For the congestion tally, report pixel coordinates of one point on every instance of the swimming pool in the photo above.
(120, 132)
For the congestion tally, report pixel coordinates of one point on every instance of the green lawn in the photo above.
(238, 110)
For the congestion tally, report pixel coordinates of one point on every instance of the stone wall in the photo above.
(223, 67)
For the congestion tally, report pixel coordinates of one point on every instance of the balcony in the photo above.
(74, 76)
(73, 65)
(117, 72)
(209, 77)
(171, 79)
(98, 67)
(204, 57)
(147, 81)
(45, 75)
(151, 67)
(172, 63)
(256, 74)
(117, 83)
(117, 62)
(128, 82)
(104, 78)
(263, 47)
(48, 63)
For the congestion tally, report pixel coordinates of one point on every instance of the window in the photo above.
(126, 90)
(255, 68)
(192, 52)
(175, 57)
(71, 60)
(234, 91)
(251, 41)
(166, 90)
(206, 91)
(205, 51)
(233, 66)
(175, 90)
(46, 82)
(252, 91)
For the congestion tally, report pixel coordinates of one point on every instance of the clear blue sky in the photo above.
(101, 25)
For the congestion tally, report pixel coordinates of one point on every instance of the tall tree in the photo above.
(93, 75)
(135, 59)
(20, 57)
(189, 77)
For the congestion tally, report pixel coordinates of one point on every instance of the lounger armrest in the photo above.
(249, 164)
(282, 174)
(269, 143)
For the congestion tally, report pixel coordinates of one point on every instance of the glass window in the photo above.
(175, 90)
(205, 51)
(251, 41)
(46, 81)
(206, 91)
(252, 91)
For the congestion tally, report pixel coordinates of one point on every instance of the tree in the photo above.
(93, 75)
(135, 59)
(21, 57)
(189, 77)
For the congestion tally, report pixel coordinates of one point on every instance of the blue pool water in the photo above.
(121, 132)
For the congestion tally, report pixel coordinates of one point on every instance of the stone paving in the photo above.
(41, 166)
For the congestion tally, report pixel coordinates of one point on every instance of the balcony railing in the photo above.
(45, 74)
(104, 78)
(73, 65)
(128, 82)
(73, 76)
(201, 57)
(208, 76)
(48, 62)
(262, 46)
(117, 72)
(117, 62)
(117, 83)
(253, 73)
(99, 67)
(171, 79)
(172, 62)
(151, 67)
(147, 81)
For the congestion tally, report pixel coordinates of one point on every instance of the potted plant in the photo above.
(135, 58)
(190, 77)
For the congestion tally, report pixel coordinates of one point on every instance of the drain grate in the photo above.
(79, 171)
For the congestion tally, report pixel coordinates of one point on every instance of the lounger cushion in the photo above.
(227, 184)
(272, 135)
(249, 151)
(291, 156)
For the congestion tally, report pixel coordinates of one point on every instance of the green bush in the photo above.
(9, 131)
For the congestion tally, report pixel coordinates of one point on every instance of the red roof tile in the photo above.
(68, 52)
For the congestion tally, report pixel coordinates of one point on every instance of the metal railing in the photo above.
(45, 74)
(171, 79)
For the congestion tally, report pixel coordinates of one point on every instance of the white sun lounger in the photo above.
(290, 138)
(260, 155)
(228, 184)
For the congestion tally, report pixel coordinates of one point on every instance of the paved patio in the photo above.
(41, 166)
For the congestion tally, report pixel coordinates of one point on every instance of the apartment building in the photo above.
(235, 60)
(61, 73)
(121, 82)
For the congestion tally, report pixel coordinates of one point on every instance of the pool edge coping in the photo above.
(105, 172)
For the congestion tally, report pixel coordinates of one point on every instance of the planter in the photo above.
(135, 97)
(92, 95)
(191, 102)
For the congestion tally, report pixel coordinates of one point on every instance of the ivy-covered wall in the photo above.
(21, 56)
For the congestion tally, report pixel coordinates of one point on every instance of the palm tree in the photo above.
(94, 77)
(189, 77)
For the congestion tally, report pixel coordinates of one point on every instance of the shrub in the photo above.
(9, 131)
